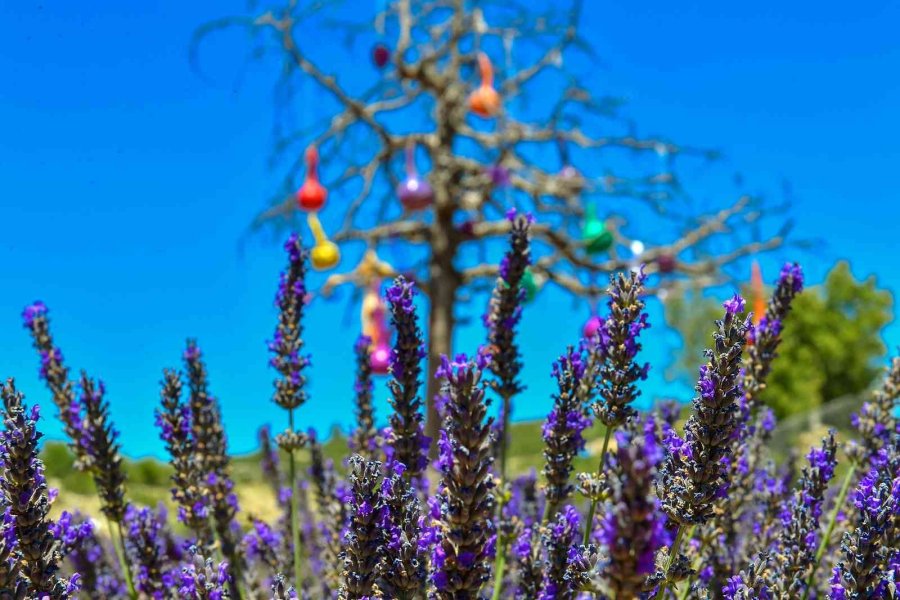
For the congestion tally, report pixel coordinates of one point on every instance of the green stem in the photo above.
(673, 554)
(295, 507)
(684, 593)
(504, 440)
(118, 542)
(499, 569)
(832, 520)
(589, 524)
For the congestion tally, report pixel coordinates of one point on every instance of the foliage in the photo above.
(832, 348)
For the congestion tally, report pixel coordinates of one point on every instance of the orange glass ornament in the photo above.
(758, 292)
(312, 194)
(485, 101)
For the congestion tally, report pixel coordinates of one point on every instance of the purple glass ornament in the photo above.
(414, 192)
(592, 326)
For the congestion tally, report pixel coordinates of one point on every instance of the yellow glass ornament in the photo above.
(325, 254)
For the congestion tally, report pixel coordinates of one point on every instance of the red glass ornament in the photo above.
(381, 54)
(759, 293)
(666, 263)
(312, 194)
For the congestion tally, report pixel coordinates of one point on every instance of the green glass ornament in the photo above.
(529, 285)
(597, 238)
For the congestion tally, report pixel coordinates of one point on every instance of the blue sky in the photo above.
(127, 180)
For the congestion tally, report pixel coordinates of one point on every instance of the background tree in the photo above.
(831, 348)
(492, 100)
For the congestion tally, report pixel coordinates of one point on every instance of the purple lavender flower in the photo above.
(145, 548)
(402, 554)
(363, 439)
(877, 419)
(189, 490)
(563, 430)
(502, 318)
(56, 375)
(461, 556)
(694, 475)
(560, 582)
(100, 445)
(11, 580)
(269, 461)
(286, 345)
(363, 541)
(406, 439)
(202, 580)
(800, 520)
(211, 452)
(766, 336)
(633, 525)
(24, 493)
(618, 371)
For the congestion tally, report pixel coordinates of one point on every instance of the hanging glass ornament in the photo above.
(666, 263)
(592, 326)
(381, 55)
(637, 248)
(325, 254)
(530, 285)
(312, 194)
(595, 234)
(484, 101)
(499, 175)
(758, 291)
(373, 317)
(415, 193)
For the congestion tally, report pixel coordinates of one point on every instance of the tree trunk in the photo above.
(443, 285)
(440, 329)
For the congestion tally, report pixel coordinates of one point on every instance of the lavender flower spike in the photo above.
(563, 430)
(11, 580)
(766, 336)
(363, 439)
(501, 320)
(287, 343)
(174, 421)
(25, 494)
(800, 520)
(99, 441)
(211, 451)
(695, 473)
(462, 554)
(56, 375)
(403, 554)
(363, 540)
(406, 439)
(618, 373)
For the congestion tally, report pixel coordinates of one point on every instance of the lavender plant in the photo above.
(501, 320)
(406, 438)
(706, 513)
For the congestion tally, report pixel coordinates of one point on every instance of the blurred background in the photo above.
(132, 172)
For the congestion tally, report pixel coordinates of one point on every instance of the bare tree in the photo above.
(487, 151)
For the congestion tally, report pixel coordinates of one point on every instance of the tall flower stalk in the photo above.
(694, 475)
(618, 372)
(211, 451)
(363, 438)
(406, 440)
(364, 538)
(28, 525)
(189, 486)
(286, 348)
(502, 318)
(465, 499)
(563, 431)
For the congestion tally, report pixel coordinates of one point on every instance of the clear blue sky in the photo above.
(127, 180)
